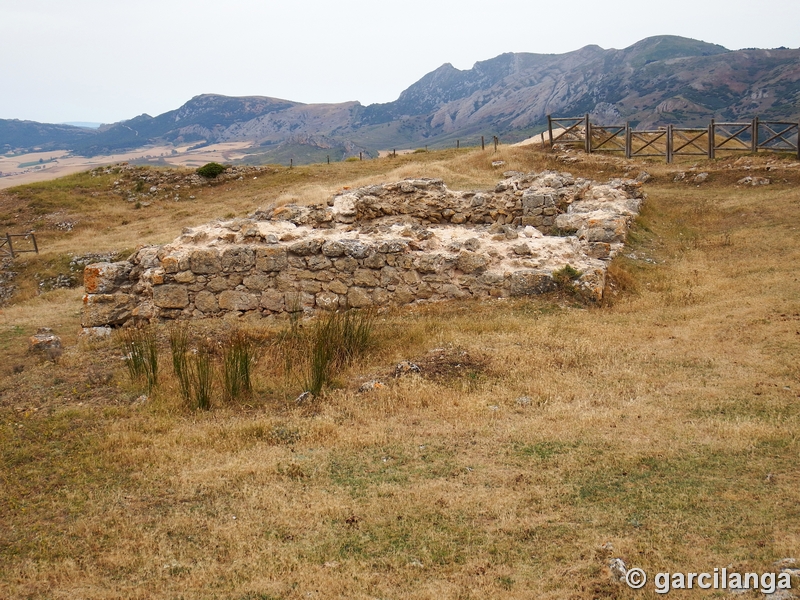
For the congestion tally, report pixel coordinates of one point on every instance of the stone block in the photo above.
(105, 277)
(306, 247)
(237, 300)
(337, 287)
(526, 283)
(203, 262)
(218, 284)
(470, 262)
(365, 278)
(273, 300)
(206, 302)
(318, 262)
(238, 259)
(327, 301)
(375, 261)
(271, 259)
(257, 281)
(106, 309)
(347, 264)
(358, 297)
(185, 277)
(170, 296)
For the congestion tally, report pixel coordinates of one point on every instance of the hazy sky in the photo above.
(108, 60)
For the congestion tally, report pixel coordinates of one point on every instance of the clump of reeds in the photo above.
(140, 350)
(238, 357)
(179, 346)
(201, 376)
(334, 342)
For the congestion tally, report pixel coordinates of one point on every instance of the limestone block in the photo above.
(429, 263)
(347, 264)
(204, 261)
(238, 259)
(44, 341)
(365, 278)
(106, 309)
(389, 276)
(310, 286)
(318, 262)
(333, 248)
(206, 302)
(337, 287)
(105, 277)
(170, 296)
(327, 301)
(358, 297)
(218, 284)
(470, 262)
(273, 300)
(272, 258)
(170, 264)
(306, 247)
(392, 246)
(599, 250)
(356, 248)
(375, 261)
(185, 277)
(528, 282)
(237, 300)
(380, 296)
(257, 281)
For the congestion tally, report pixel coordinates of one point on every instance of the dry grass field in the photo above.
(664, 422)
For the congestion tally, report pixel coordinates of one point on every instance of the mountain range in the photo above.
(656, 81)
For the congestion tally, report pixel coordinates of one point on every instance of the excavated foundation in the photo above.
(397, 243)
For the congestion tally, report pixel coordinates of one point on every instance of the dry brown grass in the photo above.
(653, 423)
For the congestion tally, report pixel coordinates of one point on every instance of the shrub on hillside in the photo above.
(211, 170)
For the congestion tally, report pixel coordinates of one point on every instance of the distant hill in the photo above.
(659, 80)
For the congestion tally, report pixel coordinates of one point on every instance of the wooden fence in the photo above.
(7, 244)
(671, 141)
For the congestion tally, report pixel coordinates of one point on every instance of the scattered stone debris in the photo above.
(700, 178)
(406, 368)
(370, 386)
(523, 401)
(754, 181)
(45, 343)
(618, 569)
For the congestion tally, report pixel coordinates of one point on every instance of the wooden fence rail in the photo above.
(7, 244)
(672, 141)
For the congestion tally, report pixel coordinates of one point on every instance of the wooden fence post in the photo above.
(588, 136)
(628, 140)
(549, 129)
(10, 246)
(360, 156)
(457, 144)
(755, 135)
(35, 245)
(712, 150)
(798, 141)
(291, 163)
(483, 147)
(587, 128)
(329, 159)
(669, 143)
(495, 143)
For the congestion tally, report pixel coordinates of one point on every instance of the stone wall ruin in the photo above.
(392, 244)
